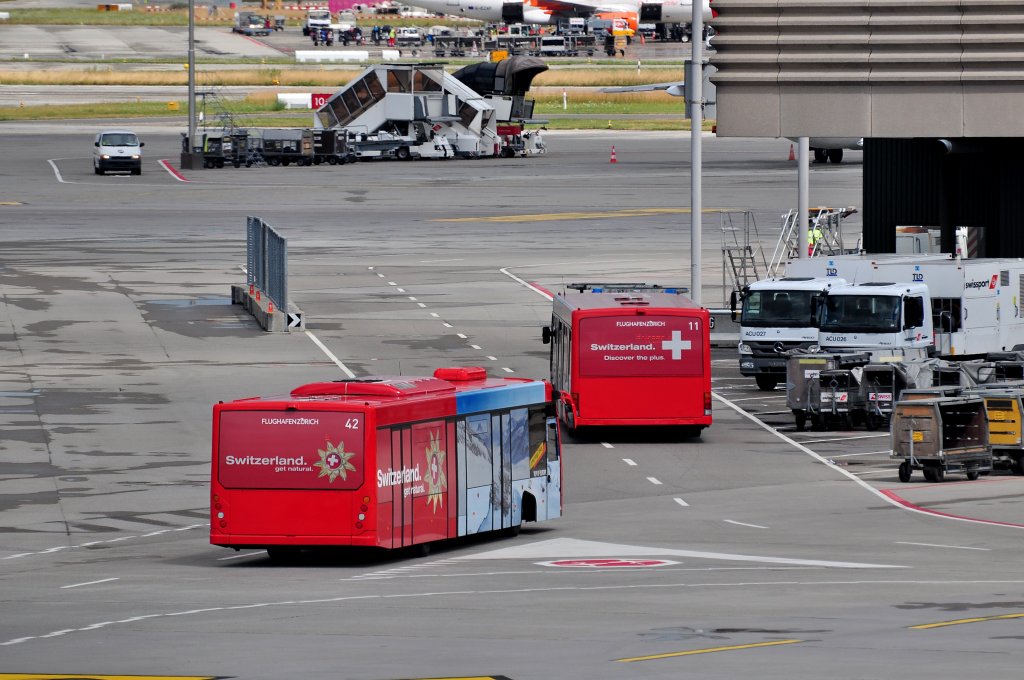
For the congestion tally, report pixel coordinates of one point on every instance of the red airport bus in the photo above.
(384, 462)
(630, 354)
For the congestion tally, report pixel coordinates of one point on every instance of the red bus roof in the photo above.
(629, 300)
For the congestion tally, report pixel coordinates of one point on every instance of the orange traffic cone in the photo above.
(792, 156)
(612, 159)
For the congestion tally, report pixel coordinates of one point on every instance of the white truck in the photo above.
(780, 314)
(950, 307)
(316, 20)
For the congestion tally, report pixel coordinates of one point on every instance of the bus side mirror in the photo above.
(545, 335)
(95, 143)
(732, 304)
(913, 314)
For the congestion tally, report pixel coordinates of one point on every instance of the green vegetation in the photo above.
(124, 110)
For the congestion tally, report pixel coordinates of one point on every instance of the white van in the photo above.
(117, 150)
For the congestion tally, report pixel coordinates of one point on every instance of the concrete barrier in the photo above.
(318, 56)
(726, 332)
(390, 55)
(272, 320)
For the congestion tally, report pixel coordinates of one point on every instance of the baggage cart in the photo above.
(1004, 407)
(802, 388)
(941, 435)
(840, 399)
(882, 384)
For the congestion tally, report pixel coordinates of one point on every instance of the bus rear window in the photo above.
(290, 450)
(619, 346)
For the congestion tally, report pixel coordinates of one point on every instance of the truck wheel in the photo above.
(835, 156)
(285, 162)
(801, 420)
(905, 471)
(766, 383)
(402, 153)
(237, 164)
(274, 161)
(96, 169)
(820, 156)
(972, 475)
(136, 171)
(220, 163)
(332, 160)
(207, 163)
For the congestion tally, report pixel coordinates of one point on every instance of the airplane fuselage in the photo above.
(550, 12)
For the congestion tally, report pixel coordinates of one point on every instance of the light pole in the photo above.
(189, 158)
(696, 82)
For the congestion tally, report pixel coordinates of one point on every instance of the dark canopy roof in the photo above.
(510, 76)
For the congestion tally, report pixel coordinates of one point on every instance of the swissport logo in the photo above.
(990, 284)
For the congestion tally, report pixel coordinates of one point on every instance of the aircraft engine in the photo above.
(650, 12)
(512, 13)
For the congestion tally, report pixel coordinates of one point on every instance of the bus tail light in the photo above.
(707, 403)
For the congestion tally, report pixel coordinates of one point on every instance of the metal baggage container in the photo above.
(882, 384)
(940, 435)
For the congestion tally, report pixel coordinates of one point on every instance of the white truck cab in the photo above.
(117, 150)
(876, 315)
(778, 315)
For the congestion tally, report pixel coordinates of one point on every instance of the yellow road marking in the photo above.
(551, 217)
(63, 676)
(711, 649)
(10, 203)
(960, 622)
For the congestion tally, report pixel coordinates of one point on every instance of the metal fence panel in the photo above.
(266, 256)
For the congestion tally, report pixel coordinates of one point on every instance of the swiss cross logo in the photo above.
(676, 344)
(333, 461)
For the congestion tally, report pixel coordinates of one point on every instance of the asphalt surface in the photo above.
(782, 559)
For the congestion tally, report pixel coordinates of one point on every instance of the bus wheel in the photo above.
(905, 471)
(513, 530)
(766, 383)
(692, 431)
(972, 475)
(421, 550)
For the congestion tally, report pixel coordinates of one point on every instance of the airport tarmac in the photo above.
(781, 556)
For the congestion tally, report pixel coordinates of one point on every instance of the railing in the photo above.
(266, 255)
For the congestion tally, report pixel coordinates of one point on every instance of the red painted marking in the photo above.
(938, 513)
(542, 289)
(610, 562)
(170, 168)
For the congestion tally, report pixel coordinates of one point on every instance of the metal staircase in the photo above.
(828, 220)
(743, 259)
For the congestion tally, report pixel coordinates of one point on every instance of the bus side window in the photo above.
(567, 367)
(556, 348)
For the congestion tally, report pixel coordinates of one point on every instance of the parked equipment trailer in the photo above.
(940, 435)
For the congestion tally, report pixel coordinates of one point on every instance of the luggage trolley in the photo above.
(940, 435)
(839, 399)
(882, 385)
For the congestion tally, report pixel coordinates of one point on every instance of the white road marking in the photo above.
(507, 370)
(475, 346)
(744, 524)
(392, 283)
(876, 472)
(607, 445)
(421, 304)
(446, 324)
(843, 439)
(380, 275)
(435, 315)
(56, 171)
(92, 583)
(654, 480)
(248, 554)
(866, 453)
(681, 502)
(764, 398)
(535, 289)
(344, 369)
(412, 298)
(939, 545)
(462, 335)
(489, 357)
(457, 259)
(171, 171)
(629, 461)
(400, 290)
(867, 487)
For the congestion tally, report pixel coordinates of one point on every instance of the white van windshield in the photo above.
(119, 139)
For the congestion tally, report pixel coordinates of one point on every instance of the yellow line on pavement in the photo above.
(65, 676)
(960, 622)
(10, 203)
(710, 650)
(597, 215)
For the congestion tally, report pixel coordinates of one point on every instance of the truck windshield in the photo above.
(865, 313)
(786, 308)
(119, 139)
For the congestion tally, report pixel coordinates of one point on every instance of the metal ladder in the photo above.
(827, 220)
(742, 257)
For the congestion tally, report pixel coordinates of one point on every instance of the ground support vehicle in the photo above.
(565, 46)
(804, 384)
(316, 21)
(384, 462)
(516, 140)
(456, 45)
(216, 150)
(284, 146)
(251, 23)
(117, 150)
(1004, 407)
(840, 399)
(948, 306)
(941, 435)
(778, 315)
(630, 354)
(332, 147)
(882, 384)
(383, 144)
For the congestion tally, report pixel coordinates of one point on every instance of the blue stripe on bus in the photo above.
(499, 397)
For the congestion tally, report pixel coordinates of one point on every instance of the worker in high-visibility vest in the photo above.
(814, 235)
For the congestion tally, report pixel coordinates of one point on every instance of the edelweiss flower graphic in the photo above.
(334, 462)
(437, 481)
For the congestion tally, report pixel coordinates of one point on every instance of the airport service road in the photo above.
(738, 555)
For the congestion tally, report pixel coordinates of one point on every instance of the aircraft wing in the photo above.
(676, 89)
